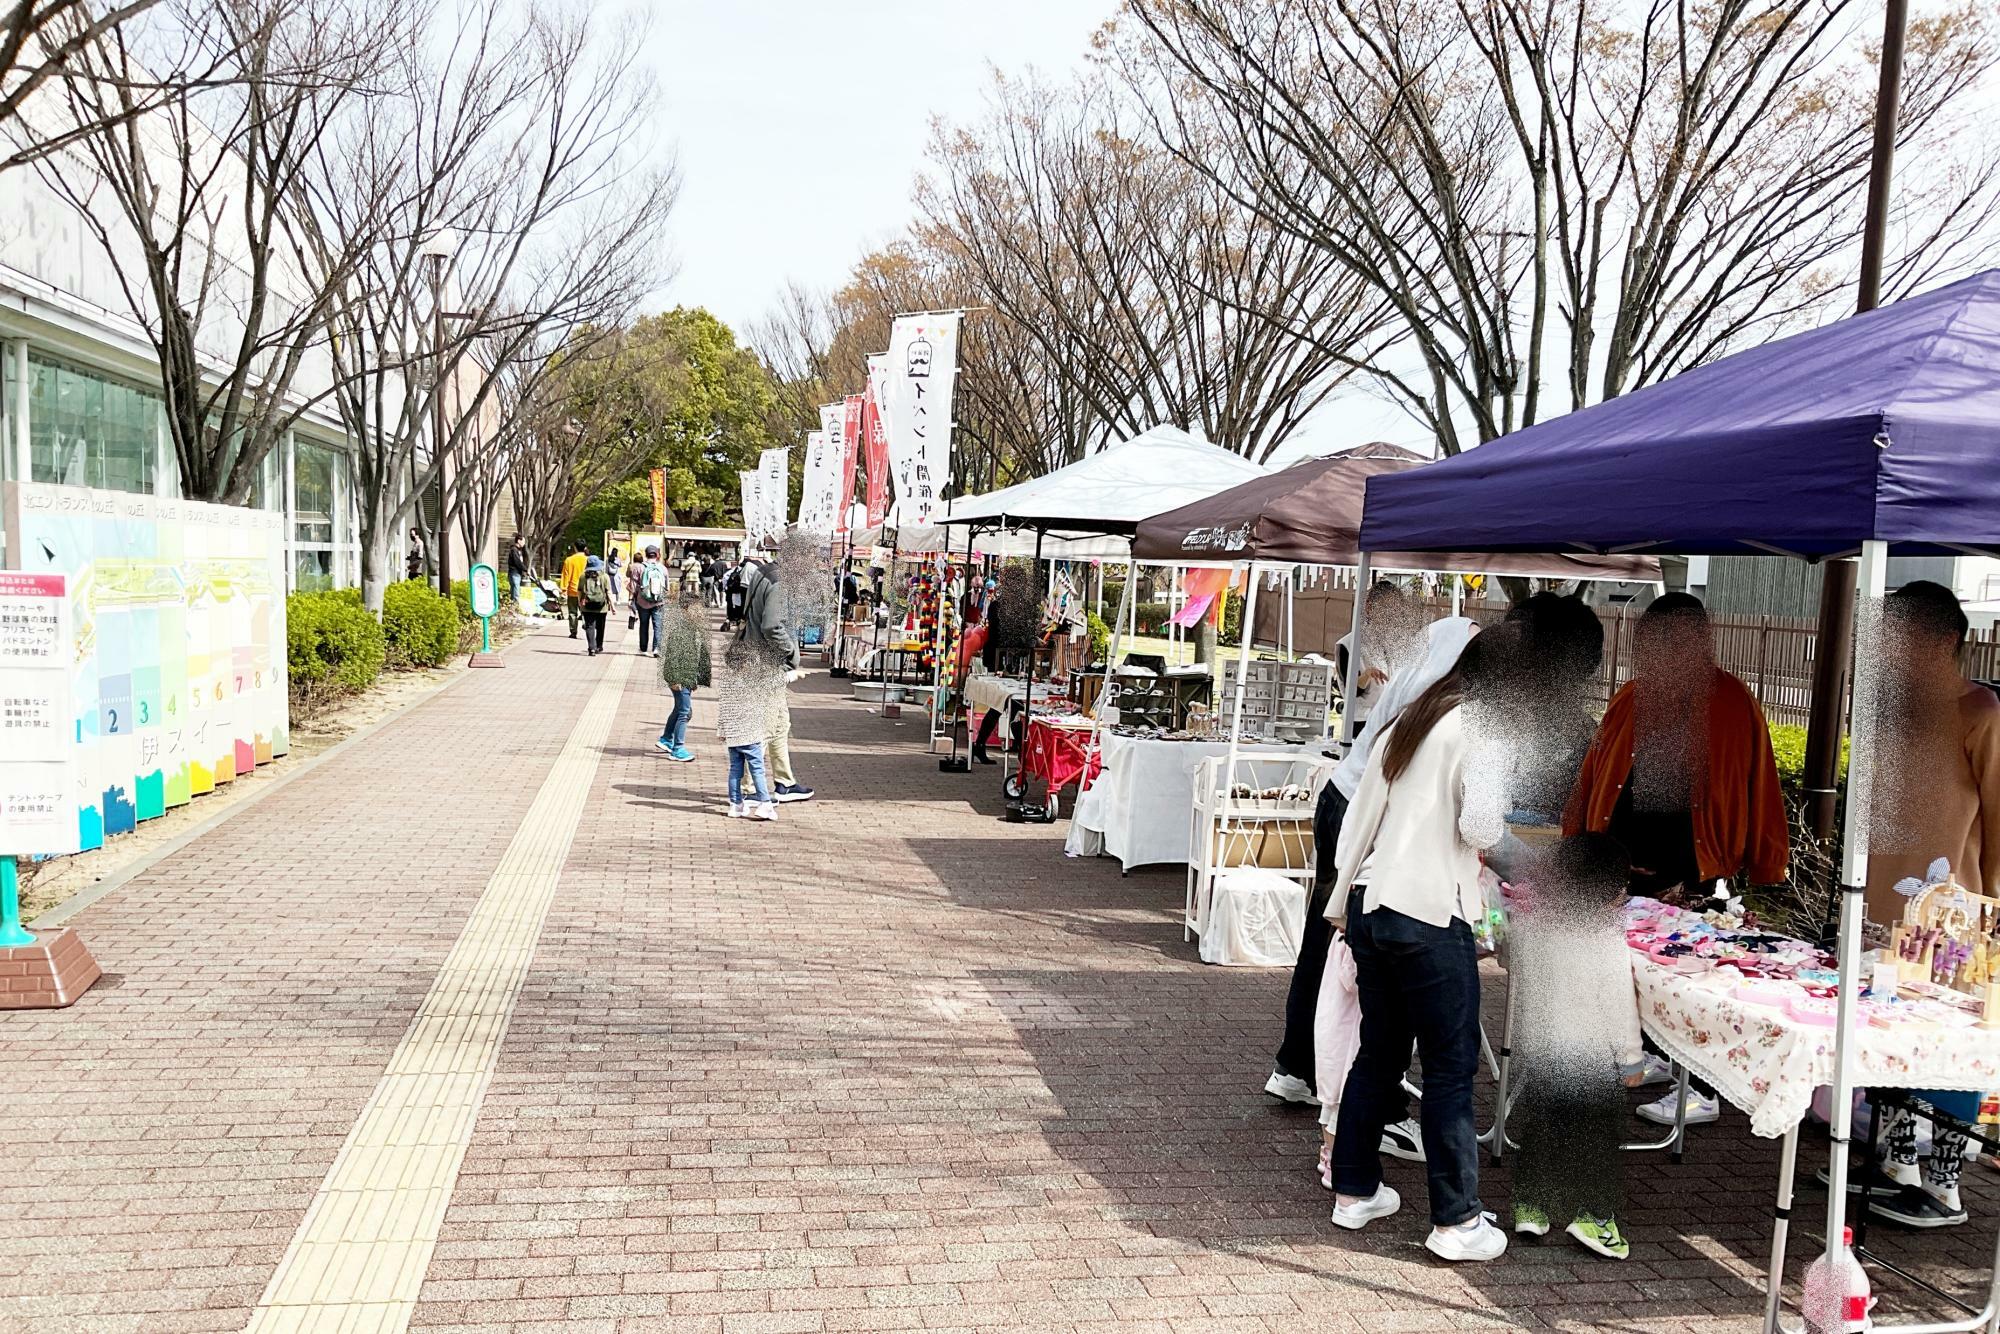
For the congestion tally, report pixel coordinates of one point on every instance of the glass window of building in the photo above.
(322, 529)
(86, 429)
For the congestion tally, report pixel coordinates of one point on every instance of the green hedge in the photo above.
(419, 624)
(1788, 747)
(332, 643)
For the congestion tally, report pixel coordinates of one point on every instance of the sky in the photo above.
(801, 124)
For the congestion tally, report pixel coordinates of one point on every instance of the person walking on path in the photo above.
(712, 571)
(517, 567)
(649, 600)
(593, 595)
(767, 626)
(571, 581)
(1408, 893)
(743, 720)
(413, 564)
(684, 668)
(631, 581)
(614, 566)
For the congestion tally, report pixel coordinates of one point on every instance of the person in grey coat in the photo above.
(767, 628)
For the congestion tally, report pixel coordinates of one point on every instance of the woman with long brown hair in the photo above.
(1409, 892)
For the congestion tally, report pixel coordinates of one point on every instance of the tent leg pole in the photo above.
(1353, 672)
(1242, 679)
(1457, 596)
(1781, 1226)
(1873, 578)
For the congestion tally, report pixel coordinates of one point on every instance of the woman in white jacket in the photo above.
(1409, 892)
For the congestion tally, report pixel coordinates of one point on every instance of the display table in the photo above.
(1768, 1063)
(1139, 807)
(1004, 693)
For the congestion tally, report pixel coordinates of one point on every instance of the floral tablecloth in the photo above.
(1766, 1063)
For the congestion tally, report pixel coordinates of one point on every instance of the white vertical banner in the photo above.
(753, 508)
(833, 423)
(819, 498)
(919, 372)
(771, 489)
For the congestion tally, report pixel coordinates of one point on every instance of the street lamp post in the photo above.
(437, 254)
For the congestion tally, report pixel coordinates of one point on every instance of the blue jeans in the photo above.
(675, 732)
(1419, 986)
(652, 624)
(514, 588)
(748, 759)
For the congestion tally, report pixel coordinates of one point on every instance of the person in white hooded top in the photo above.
(1408, 893)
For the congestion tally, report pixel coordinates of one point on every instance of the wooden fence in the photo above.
(1773, 655)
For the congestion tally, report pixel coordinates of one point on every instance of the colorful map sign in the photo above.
(38, 788)
(178, 675)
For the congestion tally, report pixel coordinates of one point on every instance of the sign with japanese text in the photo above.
(753, 508)
(177, 677)
(659, 485)
(819, 496)
(38, 746)
(918, 376)
(772, 485)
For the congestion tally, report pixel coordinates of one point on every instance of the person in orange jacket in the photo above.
(571, 584)
(1692, 804)
(1681, 773)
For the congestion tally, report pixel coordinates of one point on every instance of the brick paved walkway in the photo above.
(891, 1063)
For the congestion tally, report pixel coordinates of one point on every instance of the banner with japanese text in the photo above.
(772, 486)
(918, 377)
(753, 509)
(819, 496)
(659, 485)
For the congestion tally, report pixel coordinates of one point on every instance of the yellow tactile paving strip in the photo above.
(359, 1257)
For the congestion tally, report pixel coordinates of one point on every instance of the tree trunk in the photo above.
(377, 562)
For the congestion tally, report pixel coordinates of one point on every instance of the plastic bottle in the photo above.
(1837, 1298)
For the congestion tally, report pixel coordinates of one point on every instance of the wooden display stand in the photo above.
(1948, 916)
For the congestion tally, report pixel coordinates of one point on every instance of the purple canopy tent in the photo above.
(1882, 427)
(1878, 434)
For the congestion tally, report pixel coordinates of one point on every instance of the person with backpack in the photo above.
(712, 571)
(593, 593)
(572, 579)
(732, 593)
(650, 600)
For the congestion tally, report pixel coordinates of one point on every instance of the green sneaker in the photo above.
(1601, 1235)
(1530, 1220)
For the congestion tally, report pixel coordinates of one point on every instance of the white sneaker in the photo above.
(1479, 1240)
(1701, 1110)
(1356, 1216)
(764, 810)
(736, 810)
(1290, 1088)
(1404, 1140)
(1656, 1073)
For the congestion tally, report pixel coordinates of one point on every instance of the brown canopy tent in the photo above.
(1310, 514)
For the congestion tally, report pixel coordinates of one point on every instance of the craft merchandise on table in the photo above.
(1753, 1013)
(1137, 809)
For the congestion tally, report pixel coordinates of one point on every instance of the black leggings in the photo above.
(1295, 1050)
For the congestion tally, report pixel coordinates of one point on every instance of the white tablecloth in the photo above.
(985, 692)
(1765, 1062)
(1141, 808)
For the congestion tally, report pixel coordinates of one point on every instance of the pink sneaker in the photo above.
(1326, 1165)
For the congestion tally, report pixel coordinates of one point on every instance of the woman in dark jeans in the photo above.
(1408, 889)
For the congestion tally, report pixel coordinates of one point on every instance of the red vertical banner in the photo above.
(862, 409)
